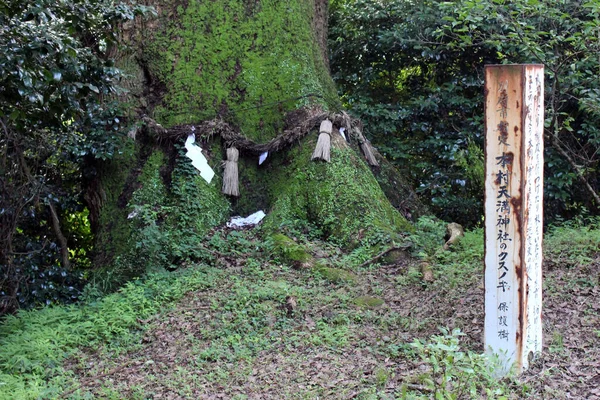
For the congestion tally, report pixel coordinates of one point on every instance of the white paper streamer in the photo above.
(194, 152)
(263, 157)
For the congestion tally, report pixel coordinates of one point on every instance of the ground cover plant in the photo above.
(253, 325)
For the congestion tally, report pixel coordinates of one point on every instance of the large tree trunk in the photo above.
(258, 67)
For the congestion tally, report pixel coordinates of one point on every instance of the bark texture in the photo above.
(259, 66)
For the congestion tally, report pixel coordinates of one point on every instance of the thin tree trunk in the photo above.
(62, 240)
(578, 171)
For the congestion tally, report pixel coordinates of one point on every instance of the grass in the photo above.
(34, 344)
(231, 328)
(571, 244)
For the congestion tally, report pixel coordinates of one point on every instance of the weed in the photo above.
(382, 376)
(428, 237)
(412, 277)
(455, 374)
(557, 344)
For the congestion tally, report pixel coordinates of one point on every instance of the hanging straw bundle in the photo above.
(366, 148)
(322, 150)
(230, 175)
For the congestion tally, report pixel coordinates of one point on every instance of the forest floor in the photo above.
(270, 331)
(264, 330)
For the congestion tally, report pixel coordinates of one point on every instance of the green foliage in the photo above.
(164, 226)
(149, 208)
(428, 237)
(420, 107)
(472, 161)
(563, 37)
(455, 374)
(57, 76)
(192, 207)
(452, 269)
(34, 344)
(413, 71)
(573, 243)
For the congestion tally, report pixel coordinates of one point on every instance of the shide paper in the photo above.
(194, 153)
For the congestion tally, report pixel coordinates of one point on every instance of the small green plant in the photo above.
(428, 237)
(382, 376)
(557, 344)
(455, 374)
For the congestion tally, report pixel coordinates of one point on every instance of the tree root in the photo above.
(427, 271)
(455, 232)
(383, 253)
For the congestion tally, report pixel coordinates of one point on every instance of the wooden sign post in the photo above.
(514, 118)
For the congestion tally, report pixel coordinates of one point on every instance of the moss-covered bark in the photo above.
(250, 63)
(341, 199)
(247, 61)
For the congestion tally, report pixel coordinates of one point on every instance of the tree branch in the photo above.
(578, 171)
(383, 253)
(62, 240)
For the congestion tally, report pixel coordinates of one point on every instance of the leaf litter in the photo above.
(239, 340)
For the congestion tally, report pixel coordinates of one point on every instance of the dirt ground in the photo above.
(243, 339)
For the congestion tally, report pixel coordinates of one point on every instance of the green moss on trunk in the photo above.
(398, 190)
(147, 224)
(247, 62)
(341, 199)
(113, 234)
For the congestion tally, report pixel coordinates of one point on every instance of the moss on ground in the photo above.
(368, 301)
(290, 251)
(336, 275)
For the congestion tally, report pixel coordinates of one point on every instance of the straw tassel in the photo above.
(323, 148)
(230, 175)
(366, 148)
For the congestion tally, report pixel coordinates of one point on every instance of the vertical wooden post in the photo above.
(514, 118)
